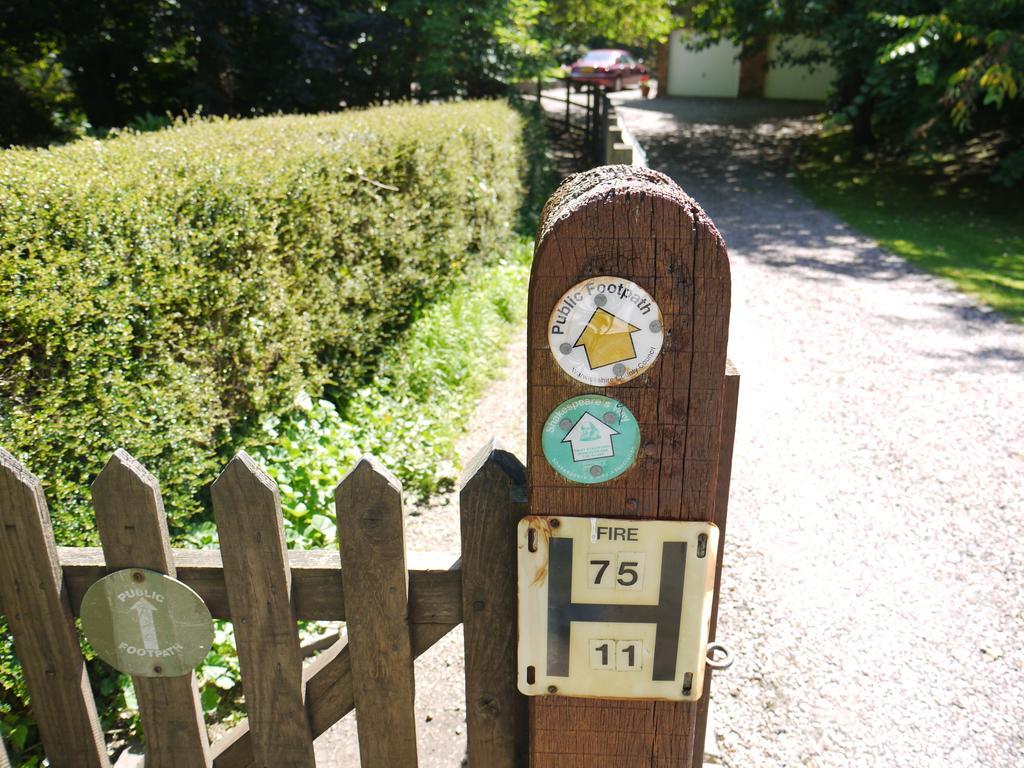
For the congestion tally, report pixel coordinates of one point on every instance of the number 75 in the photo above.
(622, 571)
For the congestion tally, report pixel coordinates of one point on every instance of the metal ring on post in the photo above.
(723, 662)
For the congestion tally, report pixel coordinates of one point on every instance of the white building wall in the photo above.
(713, 71)
(796, 82)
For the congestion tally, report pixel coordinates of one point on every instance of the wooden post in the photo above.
(729, 408)
(568, 102)
(133, 529)
(33, 598)
(491, 501)
(372, 541)
(632, 223)
(258, 579)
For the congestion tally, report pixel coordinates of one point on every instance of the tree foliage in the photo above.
(111, 63)
(918, 75)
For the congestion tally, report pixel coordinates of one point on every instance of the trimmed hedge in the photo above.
(167, 291)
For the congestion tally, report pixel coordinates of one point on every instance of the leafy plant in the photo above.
(410, 414)
(169, 292)
(974, 59)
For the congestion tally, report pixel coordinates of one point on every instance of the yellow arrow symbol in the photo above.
(607, 339)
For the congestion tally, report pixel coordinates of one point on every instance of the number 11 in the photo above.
(630, 650)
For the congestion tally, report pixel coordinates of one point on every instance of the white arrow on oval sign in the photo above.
(145, 609)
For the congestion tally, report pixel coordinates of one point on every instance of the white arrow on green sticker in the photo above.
(590, 438)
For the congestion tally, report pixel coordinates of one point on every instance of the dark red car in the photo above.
(610, 67)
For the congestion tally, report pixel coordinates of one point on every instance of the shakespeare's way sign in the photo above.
(614, 608)
(591, 439)
(605, 331)
(144, 623)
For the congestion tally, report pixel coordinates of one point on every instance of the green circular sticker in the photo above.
(144, 623)
(590, 438)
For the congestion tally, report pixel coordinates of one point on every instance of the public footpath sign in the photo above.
(618, 550)
(144, 623)
(605, 330)
(614, 608)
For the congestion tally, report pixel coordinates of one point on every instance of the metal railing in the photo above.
(577, 113)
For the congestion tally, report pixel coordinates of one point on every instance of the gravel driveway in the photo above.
(874, 569)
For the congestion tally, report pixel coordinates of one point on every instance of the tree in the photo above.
(539, 33)
(36, 99)
(124, 58)
(969, 60)
(118, 60)
(912, 74)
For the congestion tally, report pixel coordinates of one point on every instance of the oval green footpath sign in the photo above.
(591, 439)
(144, 623)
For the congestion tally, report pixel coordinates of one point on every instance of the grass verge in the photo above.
(961, 227)
(411, 413)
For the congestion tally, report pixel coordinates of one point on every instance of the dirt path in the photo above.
(440, 693)
(874, 571)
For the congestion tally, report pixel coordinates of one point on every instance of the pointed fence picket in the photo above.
(33, 599)
(492, 501)
(133, 531)
(256, 572)
(369, 509)
(396, 607)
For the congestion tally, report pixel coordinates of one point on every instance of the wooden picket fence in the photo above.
(394, 609)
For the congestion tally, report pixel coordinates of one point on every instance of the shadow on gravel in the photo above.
(736, 112)
(733, 156)
(987, 354)
(974, 314)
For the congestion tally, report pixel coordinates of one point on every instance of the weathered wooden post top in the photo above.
(627, 472)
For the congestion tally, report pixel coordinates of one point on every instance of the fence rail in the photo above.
(396, 607)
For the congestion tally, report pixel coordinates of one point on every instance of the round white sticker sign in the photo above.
(605, 330)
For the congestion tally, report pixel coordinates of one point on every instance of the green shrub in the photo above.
(410, 416)
(167, 292)
(413, 411)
